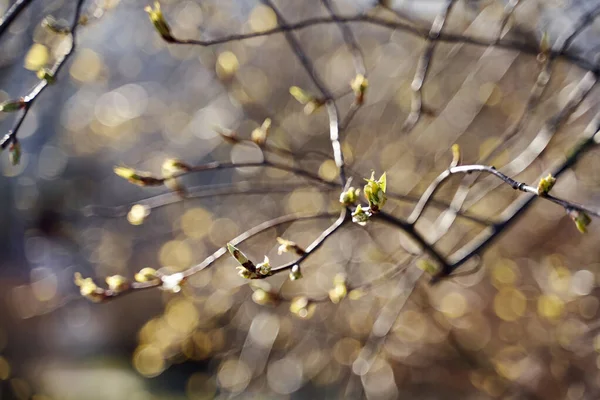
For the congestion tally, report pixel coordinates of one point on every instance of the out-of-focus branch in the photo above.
(508, 11)
(12, 13)
(332, 110)
(357, 54)
(526, 48)
(423, 67)
(25, 102)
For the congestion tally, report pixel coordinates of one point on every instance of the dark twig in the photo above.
(29, 99)
(515, 45)
(12, 13)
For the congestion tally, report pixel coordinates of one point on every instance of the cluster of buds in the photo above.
(302, 307)
(581, 219)
(545, 185)
(13, 105)
(375, 192)
(287, 246)
(137, 178)
(259, 135)
(359, 86)
(159, 22)
(340, 289)
(349, 197)
(311, 103)
(247, 269)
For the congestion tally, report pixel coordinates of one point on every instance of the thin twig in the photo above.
(357, 54)
(332, 110)
(509, 216)
(286, 219)
(423, 67)
(344, 217)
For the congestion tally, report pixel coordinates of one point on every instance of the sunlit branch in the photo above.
(208, 261)
(509, 216)
(541, 140)
(317, 243)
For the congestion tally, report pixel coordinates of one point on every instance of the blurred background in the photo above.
(524, 325)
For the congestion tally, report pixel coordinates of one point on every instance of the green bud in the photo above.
(15, 153)
(264, 268)
(247, 269)
(349, 197)
(295, 273)
(88, 289)
(361, 216)
(46, 75)
(375, 192)
(117, 283)
(581, 219)
(12, 105)
(159, 22)
(546, 184)
(146, 275)
(359, 86)
(259, 135)
(173, 167)
(137, 178)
